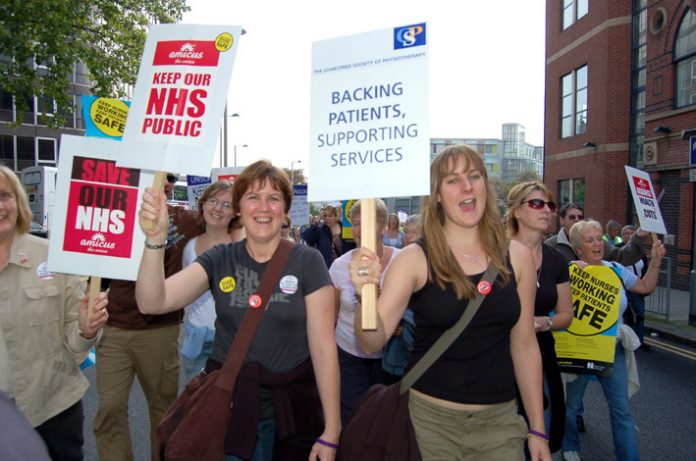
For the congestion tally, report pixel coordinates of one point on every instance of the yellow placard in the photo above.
(588, 344)
(109, 116)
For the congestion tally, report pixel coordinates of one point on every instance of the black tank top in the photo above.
(477, 368)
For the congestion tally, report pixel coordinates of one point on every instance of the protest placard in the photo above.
(588, 344)
(299, 211)
(179, 98)
(95, 230)
(369, 124)
(645, 199)
(196, 185)
(226, 173)
(104, 117)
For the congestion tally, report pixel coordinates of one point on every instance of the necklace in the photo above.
(474, 258)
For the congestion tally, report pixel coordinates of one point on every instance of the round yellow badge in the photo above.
(227, 284)
(109, 116)
(223, 42)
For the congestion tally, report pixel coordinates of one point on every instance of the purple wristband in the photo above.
(541, 435)
(321, 441)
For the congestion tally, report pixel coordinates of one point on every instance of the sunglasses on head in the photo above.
(538, 204)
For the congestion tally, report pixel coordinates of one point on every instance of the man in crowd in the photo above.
(139, 345)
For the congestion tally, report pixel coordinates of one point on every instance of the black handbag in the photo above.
(380, 427)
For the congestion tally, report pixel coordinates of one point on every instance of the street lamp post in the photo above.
(292, 171)
(235, 152)
(224, 137)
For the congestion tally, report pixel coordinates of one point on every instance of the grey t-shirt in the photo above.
(280, 343)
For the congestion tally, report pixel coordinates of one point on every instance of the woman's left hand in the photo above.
(321, 452)
(538, 449)
(97, 318)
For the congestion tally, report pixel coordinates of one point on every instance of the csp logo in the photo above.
(409, 36)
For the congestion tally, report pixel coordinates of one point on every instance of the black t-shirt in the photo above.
(477, 368)
(553, 270)
(280, 343)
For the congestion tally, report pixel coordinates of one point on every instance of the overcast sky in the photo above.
(486, 65)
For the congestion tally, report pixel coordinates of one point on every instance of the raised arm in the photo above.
(322, 348)
(153, 294)
(406, 273)
(647, 284)
(525, 349)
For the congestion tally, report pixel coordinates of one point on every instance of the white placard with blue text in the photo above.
(369, 123)
(196, 185)
(299, 211)
(645, 200)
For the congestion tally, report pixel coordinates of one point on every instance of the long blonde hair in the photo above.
(445, 268)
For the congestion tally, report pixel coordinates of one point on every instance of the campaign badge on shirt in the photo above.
(42, 271)
(227, 284)
(23, 258)
(288, 284)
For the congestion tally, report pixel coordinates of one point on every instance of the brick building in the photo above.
(621, 90)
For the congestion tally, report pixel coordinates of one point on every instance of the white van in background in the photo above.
(40, 185)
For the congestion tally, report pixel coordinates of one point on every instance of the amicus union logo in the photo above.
(97, 243)
(186, 53)
(409, 36)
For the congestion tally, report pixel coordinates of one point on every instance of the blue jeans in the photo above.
(264, 442)
(615, 390)
(192, 367)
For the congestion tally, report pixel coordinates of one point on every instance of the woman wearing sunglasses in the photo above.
(528, 217)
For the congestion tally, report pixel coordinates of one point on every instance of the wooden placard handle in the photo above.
(94, 288)
(368, 233)
(157, 184)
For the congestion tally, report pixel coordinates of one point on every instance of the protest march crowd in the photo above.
(472, 308)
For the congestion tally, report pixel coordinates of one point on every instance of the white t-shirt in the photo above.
(345, 332)
(201, 312)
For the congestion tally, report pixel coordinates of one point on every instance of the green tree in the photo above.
(297, 175)
(107, 35)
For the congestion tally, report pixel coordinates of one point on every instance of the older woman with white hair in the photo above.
(587, 242)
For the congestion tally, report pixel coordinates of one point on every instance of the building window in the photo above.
(46, 150)
(573, 10)
(6, 107)
(7, 151)
(685, 60)
(26, 155)
(571, 191)
(574, 103)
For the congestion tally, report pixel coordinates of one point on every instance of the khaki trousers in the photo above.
(151, 355)
(497, 433)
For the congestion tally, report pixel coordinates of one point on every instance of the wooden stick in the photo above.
(368, 237)
(157, 184)
(94, 289)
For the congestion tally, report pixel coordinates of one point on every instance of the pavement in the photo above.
(667, 316)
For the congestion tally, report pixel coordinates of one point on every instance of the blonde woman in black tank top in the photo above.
(462, 234)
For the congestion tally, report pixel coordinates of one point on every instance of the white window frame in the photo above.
(37, 159)
(575, 112)
(580, 9)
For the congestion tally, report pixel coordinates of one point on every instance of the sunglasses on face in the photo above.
(575, 217)
(171, 178)
(538, 204)
(285, 226)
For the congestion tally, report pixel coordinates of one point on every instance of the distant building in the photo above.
(505, 159)
(31, 143)
(621, 90)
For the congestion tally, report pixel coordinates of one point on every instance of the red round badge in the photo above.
(254, 301)
(484, 287)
